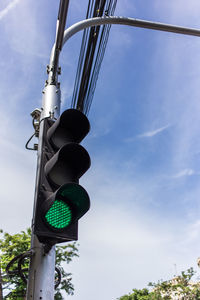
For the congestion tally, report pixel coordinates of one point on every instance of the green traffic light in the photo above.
(67, 205)
(77, 196)
(59, 215)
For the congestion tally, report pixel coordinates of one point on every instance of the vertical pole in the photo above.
(42, 265)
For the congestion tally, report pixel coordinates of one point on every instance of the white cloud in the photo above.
(180, 87)
(185, 172)
(10, 6)
(153, 132)
(125, 249)
(128, 244)
(148, 134)
(17, 187)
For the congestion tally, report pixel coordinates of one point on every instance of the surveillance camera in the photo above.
(36, 113)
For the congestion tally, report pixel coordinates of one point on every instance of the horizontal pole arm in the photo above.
(130, 22)
(69, 32)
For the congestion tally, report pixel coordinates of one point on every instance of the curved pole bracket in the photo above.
(69, 32)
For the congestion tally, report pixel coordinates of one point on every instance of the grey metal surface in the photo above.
(42, 266)
(130, 22)
(51, 101)
(60, 27)
(69, 32)
(62, 14)
(42, 273)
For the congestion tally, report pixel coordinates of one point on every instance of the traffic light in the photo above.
(61, 201)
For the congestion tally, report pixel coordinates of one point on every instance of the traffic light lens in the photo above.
(78, 198)
(59, 215)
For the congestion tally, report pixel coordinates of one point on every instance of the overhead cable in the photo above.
(92, 51)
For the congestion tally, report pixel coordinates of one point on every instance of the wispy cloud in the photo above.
(148, 134)
(10, 6)
(185, 172)
(153, 132)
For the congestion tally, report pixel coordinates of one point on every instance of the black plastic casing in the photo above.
(63, 161)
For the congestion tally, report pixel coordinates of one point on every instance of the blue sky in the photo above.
(144, 143)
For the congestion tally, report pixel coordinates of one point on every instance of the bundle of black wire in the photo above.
(92, 51)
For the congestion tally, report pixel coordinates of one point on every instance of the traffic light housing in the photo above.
(61, 201)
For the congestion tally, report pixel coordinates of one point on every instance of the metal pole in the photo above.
(42, 265)
(62, 15)
(60, 27)
(130, 22)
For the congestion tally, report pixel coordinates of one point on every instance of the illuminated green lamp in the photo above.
(68, 204)
(59, 215)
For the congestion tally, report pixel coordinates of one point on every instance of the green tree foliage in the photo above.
(180, 287)
(137, 295)
(16, 244)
